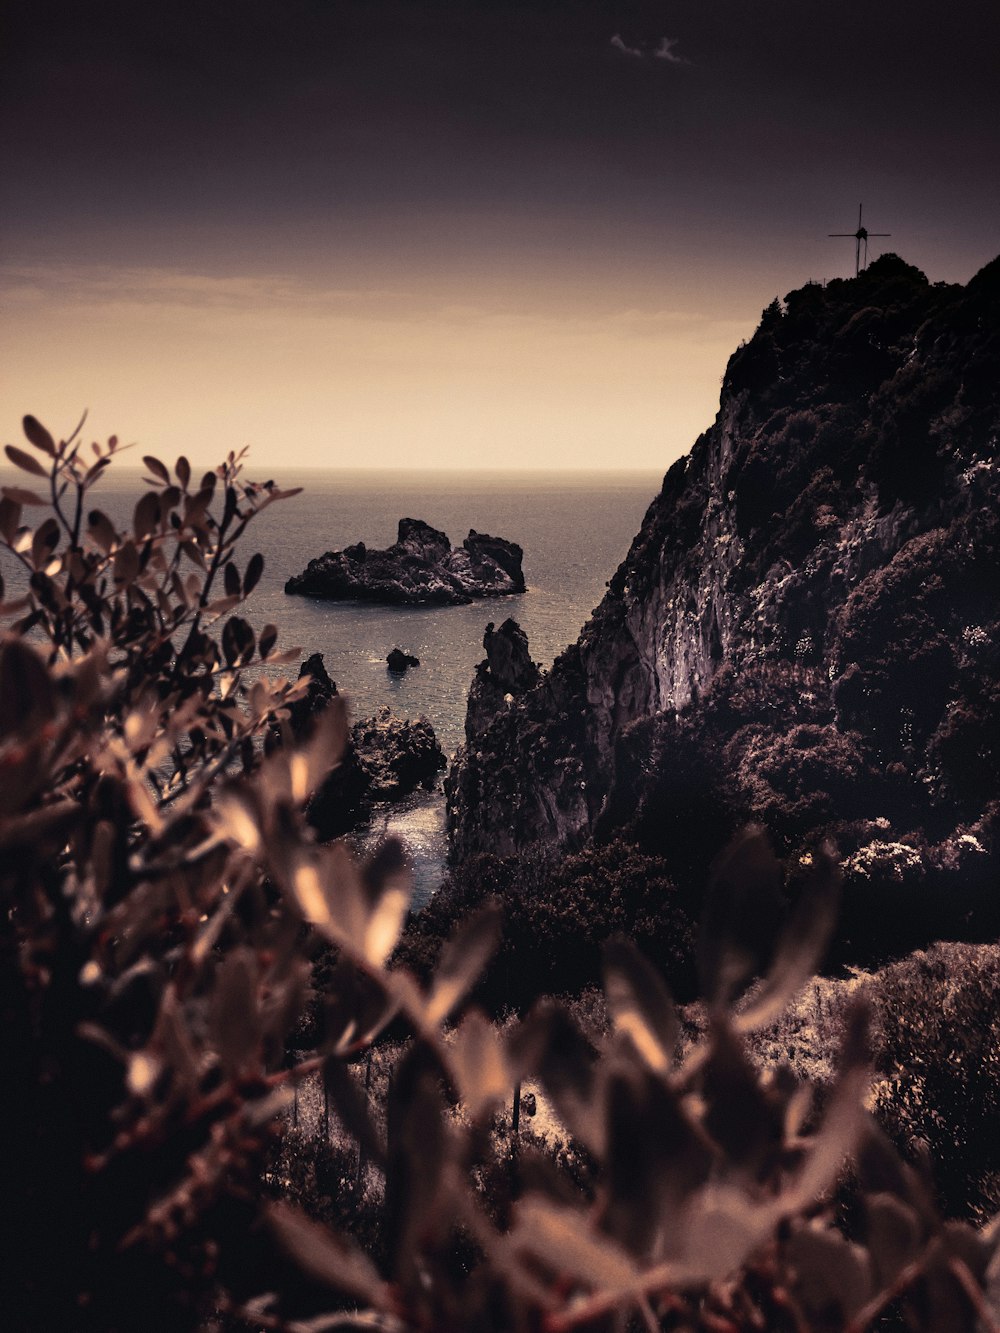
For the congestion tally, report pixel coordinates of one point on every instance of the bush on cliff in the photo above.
(558, 913)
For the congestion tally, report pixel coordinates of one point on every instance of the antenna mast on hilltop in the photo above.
(861, 235)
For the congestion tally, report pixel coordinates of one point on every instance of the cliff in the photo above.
(808, 611)
(420, 568)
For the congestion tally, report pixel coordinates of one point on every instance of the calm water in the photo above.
(574, 529)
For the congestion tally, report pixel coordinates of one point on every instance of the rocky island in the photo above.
(421, 568)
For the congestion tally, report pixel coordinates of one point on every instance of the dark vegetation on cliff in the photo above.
(805, 632)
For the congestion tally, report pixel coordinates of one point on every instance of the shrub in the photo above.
(939, 1058)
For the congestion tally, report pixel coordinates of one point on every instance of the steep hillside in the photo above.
(805, 629)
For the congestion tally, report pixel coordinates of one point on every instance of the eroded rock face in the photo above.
(507, 672)
(861, 420)
(420, 568)
(321, 690)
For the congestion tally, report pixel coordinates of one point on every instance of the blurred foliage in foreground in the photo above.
(163, 899)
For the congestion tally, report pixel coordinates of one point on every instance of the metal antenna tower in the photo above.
(860, 237)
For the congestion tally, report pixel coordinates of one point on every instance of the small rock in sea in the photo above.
(399, 662)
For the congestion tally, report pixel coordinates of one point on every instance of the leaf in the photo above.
(192, 552)
(126, 563)
(183, 469)
(21, 496)
(831, 1274)
(315, 896)
(238, 819)
(657, 1155)
(101, 530)
(156, 467)
(311, 764)
(640, 1004)
(255, 567)
(564, 1241)
(95, 471)
(27, 694)
(27, 462)
(549, 1044)
(45, 540)
(420, 1167)
(10, 518)
(479, 1064)
(893, 1235)
(146, 516)
(232, 1016)
(143, 1072)
(801, 945)
(325, 1257)
(742, 907)
(356, 1007)
(268, 638)
(721, 1228)
(231, 578)
(463, 958)
(238, 640)
(220, 605)
(844, 1120)
(39, 436)
(386, 877)
(352, 1108)
(740, 1114)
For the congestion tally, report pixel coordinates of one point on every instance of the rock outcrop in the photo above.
(811, 600)
(387, 759)
(507, 673)
(399, 662)
(399, 754)
(320, 691)
(420, 568)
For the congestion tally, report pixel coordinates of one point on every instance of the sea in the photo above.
(574, 528)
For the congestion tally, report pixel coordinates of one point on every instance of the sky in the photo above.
(464, 233)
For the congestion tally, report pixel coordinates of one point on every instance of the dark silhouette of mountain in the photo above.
(805, 632)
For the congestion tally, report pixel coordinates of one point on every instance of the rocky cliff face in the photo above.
(420, 568)
(837, 524)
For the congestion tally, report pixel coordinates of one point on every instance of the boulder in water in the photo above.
(399, 662)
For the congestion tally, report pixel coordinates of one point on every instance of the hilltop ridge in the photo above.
(805, 629)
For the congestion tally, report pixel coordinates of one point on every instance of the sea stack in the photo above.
(421, 568)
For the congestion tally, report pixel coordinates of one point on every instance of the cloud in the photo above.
(619, 45)
(665, 51)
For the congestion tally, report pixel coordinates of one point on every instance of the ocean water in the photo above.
(575, 530)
